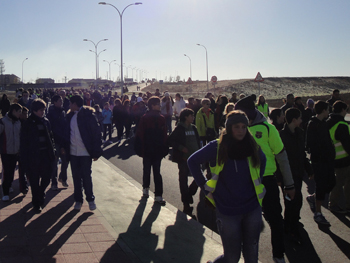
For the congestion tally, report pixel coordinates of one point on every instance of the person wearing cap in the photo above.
(237, 165)
(268, 138)
(166, 109)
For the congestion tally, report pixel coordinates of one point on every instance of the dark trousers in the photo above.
(23, 186)
(272, 210)
(120, 129)
(293, 207)
(324, 178)
(168, 119)
(9, 165)
(81, 172)
(107, 127)
(39, 178)
(64, 166)
(148, 163)
(186, 192)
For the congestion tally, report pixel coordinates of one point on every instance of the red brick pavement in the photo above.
(57, 234)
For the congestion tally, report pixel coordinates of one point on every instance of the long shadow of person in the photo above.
(183, 242)
(124, 151)
(343, 245)
(138, 236)
(306, 252)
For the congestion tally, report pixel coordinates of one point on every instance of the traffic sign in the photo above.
(259, 78)
(214, 79)
(189, 81)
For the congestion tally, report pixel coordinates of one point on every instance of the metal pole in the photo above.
(22, 71)
(206, 57)
(190, 65)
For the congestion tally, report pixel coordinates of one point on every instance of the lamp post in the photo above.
(206, 56)
(121, 37)
(190, 65)
(96, 55)
(109, 63)
(22, 71)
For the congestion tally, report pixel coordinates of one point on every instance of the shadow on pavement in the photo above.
(124, 150)
(343, 245)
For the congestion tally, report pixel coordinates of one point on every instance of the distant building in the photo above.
(7, 79)
(44, 81)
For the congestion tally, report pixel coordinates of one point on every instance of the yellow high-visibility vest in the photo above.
(340, 153)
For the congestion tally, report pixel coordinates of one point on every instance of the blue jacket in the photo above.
(89, 129)
(234, 193)
(107, 116)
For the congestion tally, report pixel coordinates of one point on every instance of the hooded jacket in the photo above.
(9, 135)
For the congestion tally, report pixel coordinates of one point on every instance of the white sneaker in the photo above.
(5, 198)
(145, 192)
(92, 205)
(78, 206)
(159, 200)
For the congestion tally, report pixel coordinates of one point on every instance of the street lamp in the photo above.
(190, 65)
(121, 38)
(206, 56)
(22, 71)
(109, 67)
(96, 55)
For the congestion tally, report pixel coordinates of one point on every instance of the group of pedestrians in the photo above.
(236, 157)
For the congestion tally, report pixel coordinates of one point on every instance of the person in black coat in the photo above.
(4, 105)
(85, 147)
(37, 152)
(293, 139)
(185, 141)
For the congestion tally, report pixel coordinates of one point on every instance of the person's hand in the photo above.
(290, 193)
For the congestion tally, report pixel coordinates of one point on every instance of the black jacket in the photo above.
(294, 144)
(29, 142)
(342, 135)
(57, 118)
(319, 142)
(89, 129)
(178, 138)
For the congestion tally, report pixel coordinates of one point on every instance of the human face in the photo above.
(206, 105)
(229, 109)
(40, 113)
(297, 122)
(239, 130)
(280, 119)
(17, 113)
(156, 107)
(73, 107)
(189, 119)
(58, 103)
(24, 115)
(25, 96)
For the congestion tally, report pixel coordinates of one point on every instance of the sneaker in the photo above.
(110, 142)
(37, 209)
(78, 206)
(320, 219)
(279, 260)
(145, 192)
(159, 200)
(64, 184)
(311, 200)
(5, 198)
(92, 205)
(337, 209)
(60, 180)
(54, 187)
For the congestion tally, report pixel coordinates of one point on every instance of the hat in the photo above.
(166, 94)
(236, 118)
(247, 105)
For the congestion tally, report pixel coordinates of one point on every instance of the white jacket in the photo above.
(178, 106)
(9, 135)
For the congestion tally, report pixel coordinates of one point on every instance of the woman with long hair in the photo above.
(237, 164)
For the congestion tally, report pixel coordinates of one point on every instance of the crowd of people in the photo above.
(236, 156)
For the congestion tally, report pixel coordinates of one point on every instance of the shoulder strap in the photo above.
(205, 122)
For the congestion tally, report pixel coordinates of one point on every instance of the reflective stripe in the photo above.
(261, 195)
(208, 188)
(340, 153)
(257, 182)
(338, 144)
(214, 176)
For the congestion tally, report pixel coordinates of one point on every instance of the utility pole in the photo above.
(2, 70)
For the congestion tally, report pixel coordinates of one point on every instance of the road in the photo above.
(320, 244)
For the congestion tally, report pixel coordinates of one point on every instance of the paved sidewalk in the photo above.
(124, 228)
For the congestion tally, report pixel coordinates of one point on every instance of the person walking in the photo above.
(85, 147)
(151, 145)
(107, 122)
(237, 165)
(185, 141)
(10, 127)
(4, 105)
(268, 138)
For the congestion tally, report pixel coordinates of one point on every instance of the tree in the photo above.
(178, 78)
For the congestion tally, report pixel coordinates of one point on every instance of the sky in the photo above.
(277, 38)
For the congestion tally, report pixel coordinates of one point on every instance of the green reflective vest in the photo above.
(340, 153)
(263, 109)
(254, 173)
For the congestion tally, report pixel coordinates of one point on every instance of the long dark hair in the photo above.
(227, 142)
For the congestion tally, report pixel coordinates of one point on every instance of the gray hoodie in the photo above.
(9, 135)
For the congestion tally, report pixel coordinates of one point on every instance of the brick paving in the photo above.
(57, 234)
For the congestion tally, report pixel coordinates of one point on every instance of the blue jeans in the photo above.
(240, 233)
(154, 162)
(81, 171)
